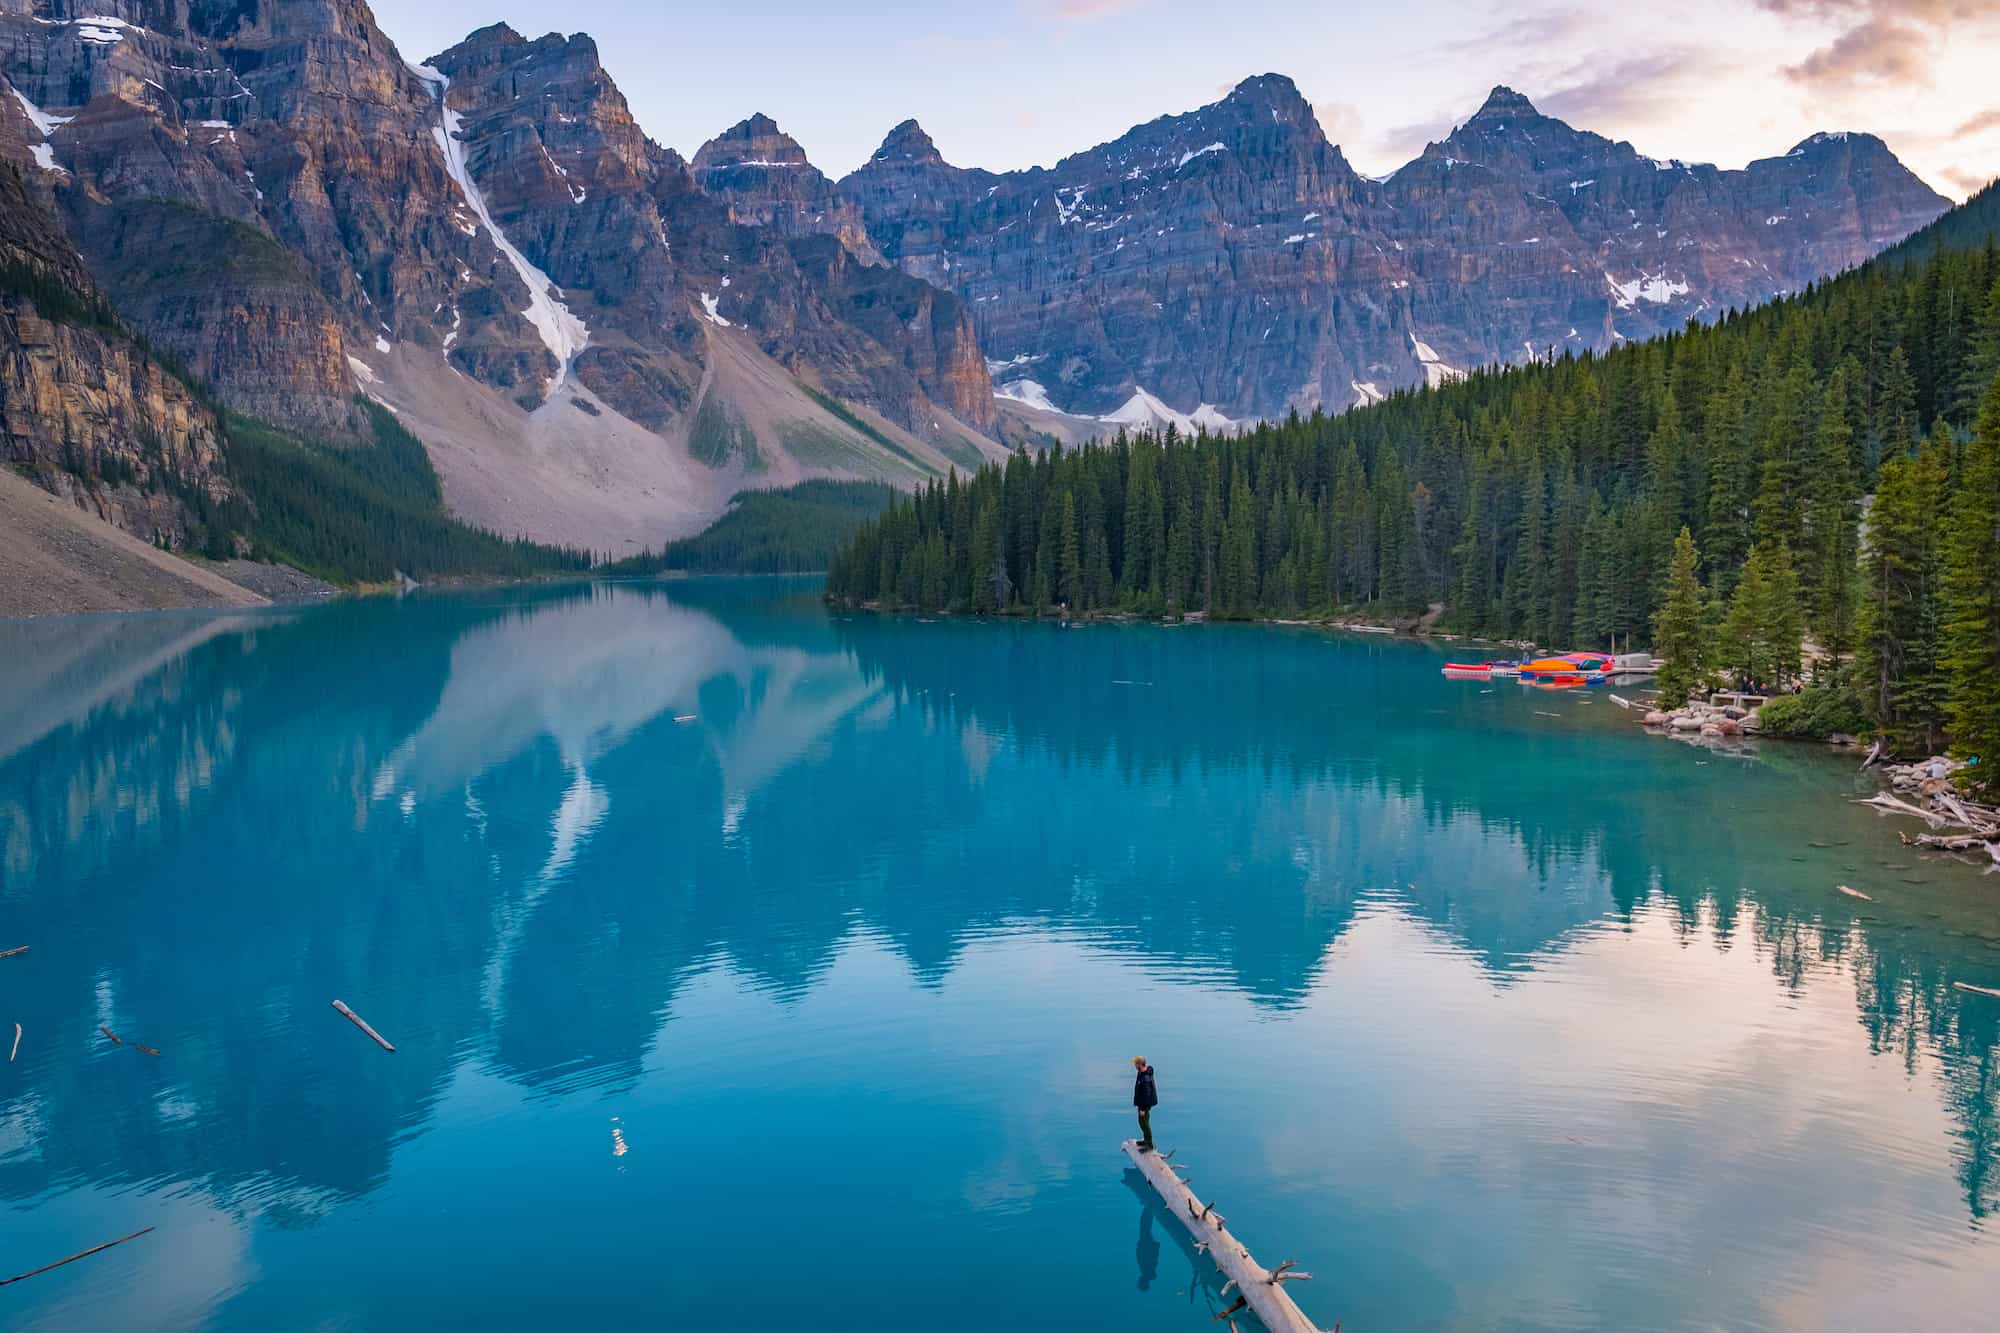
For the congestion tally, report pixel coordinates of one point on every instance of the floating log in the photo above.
(1854, 893)
(9, 953)
(17, 1044)
(1622, 703)
(1977, 990)
(1263, 1289)
(107, 1032)
(1884, 801)
(84, 1254)
(362, 1023)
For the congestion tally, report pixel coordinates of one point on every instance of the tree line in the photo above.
(795, 530)
(1546, 502)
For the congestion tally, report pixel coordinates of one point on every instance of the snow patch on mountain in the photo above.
(1028, 393)
(1654, 287)
(561, 332)
(1143, 411)
(1436, 372)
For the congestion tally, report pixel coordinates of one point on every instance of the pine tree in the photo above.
(1982, 358)
(1180, 557)
(1832, 492)
(1897, 657)
(1069, 556)
(1972, 598)
(1238, 589)
(1679, 631)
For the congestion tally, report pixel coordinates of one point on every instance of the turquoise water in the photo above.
(756, 969)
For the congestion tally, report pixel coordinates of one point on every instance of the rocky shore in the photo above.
(1705, 721)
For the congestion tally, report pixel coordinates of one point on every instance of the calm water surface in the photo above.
(741, 959)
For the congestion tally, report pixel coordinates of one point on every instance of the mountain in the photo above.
(599, 342)
(85, 409)
(592, 348)
(1232, 257)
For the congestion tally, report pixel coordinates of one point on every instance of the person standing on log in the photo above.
(1144, 1096)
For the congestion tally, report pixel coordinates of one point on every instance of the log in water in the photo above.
(362, 1023)
(1262, 1288)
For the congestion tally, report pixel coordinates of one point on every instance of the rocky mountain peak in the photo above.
(1828, 142)
(754, 142)
(493, 34)
(907, 143)
(1275, 92)
(1503, 102)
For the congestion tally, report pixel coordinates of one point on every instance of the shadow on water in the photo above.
(514, 828)
(1195, 1275)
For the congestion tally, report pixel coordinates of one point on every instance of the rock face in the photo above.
(269, 190)
(643, 253)
(1232, 257)
(764, 175)
(599, 340)
(83, 409)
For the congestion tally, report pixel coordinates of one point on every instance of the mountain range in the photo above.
(599, 341)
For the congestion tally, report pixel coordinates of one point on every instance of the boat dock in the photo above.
(1261, 1289)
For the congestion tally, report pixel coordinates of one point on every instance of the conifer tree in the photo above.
(1832, 493)
(1972, 598)
(1069, 556)
(1679, 631)
(1899, 646)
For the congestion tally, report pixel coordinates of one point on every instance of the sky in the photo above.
(1017, 83)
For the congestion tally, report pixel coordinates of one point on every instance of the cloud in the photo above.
(1403, 142)
(1878, 51)
(1979, 124)
(1081, 10)
(1970, 180)
(1341, 122)
(1644, 90)
(1883, 42)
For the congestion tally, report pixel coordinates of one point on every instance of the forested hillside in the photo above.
(796, 530)
(1544, 502)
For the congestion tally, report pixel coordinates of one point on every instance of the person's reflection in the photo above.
(1148, 1250)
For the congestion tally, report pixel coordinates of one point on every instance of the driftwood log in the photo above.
(81, 1254)
(362, 1023)
(1261, 1288)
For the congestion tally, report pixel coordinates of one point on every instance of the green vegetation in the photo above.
(1971, 596)
(1816, 713)
(57, 302)
(846, 414)
(1545, 502)
(717, 436)
(1679, 634)
(791, 531)
(358, 514)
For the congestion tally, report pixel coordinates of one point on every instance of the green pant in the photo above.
(1146, 1126)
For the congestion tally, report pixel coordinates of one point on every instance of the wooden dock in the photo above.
(1262, 1289)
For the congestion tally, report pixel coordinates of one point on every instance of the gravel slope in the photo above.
(55, 559)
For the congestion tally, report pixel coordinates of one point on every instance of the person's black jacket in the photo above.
(1144, 1096)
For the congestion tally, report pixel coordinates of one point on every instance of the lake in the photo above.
(751, 967)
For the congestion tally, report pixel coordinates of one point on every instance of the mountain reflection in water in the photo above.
(1515, 1018)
